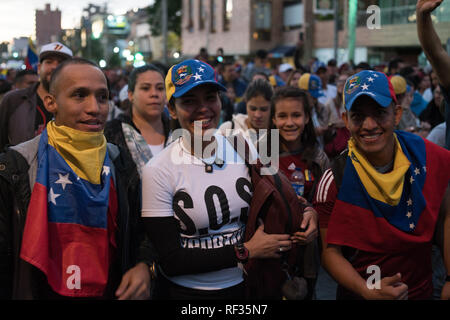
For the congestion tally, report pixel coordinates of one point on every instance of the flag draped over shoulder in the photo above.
(31, 61)
(66, 231)
(402, 213)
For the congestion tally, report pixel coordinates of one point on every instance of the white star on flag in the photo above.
(365, 87)
(370, 79)
(197, 77)
(374, 74)
(409, 214)
(411, 180)
(424, 169)
(412, 226)
(417, 171)
(106, 170)
(63, 180)
(409, 202)
(201, 69)
(52, 196)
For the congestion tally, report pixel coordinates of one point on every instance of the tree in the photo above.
(174, 17)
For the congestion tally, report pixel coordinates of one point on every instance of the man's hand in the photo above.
(427, 6)
(391, 288)
(135, 284)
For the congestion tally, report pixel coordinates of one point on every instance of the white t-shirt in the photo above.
(207, 205)
(155, 149)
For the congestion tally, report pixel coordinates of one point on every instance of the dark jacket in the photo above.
(17, 116)
(18, 166)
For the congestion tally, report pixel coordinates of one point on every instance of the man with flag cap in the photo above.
(380, 203)
(22, 112)
(66, 228)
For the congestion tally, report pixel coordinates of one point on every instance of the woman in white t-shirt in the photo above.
(196, 195)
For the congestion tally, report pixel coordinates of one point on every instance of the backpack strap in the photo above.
(338, 166)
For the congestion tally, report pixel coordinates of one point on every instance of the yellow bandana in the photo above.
(83, 151)
(384, 187)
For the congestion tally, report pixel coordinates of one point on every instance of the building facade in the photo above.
(241, 27)
(48, 25)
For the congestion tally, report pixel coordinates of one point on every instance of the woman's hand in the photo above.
(310, 223)
(264, 245)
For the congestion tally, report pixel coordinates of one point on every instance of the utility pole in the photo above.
(164, 29)
(352, 17)
(336, 28)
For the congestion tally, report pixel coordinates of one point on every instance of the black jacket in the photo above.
(18, 279)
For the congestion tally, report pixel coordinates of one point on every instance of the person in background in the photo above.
(22, 112)
(258, 65)
(329, 90)
(25, 79)
(256, 122)
(404, 93)
(293, 79)
(337, 135)
(320, 115)
(432, 114)
(143, 131)
(284, 71)
(299, 148)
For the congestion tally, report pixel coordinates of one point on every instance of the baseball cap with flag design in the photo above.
(187, 75)
(55, 48)
(369, 83)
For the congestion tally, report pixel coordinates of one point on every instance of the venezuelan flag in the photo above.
(31, 61)
(66, 230)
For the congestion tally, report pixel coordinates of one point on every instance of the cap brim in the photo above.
(48, 54)
(181, 92)
(381, 100)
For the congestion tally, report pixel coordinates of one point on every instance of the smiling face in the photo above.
(149, 96)
(200, 106)
(372, 127)
(79, 98)
(290, 119)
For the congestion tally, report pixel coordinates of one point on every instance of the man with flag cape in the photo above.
(66, 230)
(380, 203)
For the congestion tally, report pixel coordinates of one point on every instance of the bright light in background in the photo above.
(126, 53)
(176, 55)
(15, 54)
(130, 58)
(138, 64)
(102, 63)
(138, 56)
(116, 49)
(131, 43)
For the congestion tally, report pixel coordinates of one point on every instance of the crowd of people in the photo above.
(124, 184)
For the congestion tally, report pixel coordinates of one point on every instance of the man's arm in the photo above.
(430, 42)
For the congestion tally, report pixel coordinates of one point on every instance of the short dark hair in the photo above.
(308, 138)
(65, 63)
(132, 79)
(261, 53)
(259, 87)
(22, 73)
